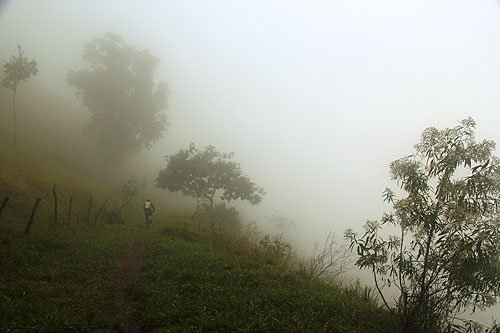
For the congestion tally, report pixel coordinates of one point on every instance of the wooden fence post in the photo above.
(88, 210)
(32, 216)
(55, 203)
(100, 210)
(4, 203)
(69, 209)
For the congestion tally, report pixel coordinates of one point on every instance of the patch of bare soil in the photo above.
(127, 271)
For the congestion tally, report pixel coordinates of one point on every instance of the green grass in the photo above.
(190, 285)
(60, 277)
(61, 281)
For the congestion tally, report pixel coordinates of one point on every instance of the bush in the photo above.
(113, 217)
(220, 217)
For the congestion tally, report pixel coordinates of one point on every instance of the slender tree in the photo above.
(446, 257)
(18, 69)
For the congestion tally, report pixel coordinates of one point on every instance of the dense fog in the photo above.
(315, 98)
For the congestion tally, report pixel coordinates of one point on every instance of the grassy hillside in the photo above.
(60, 277)
(45, 123)
(66, 276)
(191, 285)
(26, 174)
(63, 280)
(50, 150)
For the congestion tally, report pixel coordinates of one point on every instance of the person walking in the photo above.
(149, 209)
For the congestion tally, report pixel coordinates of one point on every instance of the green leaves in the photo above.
(388, 195)
(448, 254)
(202, 174)
(18, 69)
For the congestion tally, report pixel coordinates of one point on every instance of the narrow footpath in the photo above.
(128, 269)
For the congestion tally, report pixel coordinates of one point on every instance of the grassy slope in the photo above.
(190, 285)
(61, 281)
(59, 277)
(50, 150)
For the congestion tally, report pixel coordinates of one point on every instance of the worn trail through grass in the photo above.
(61, 279)
(128, 269)
(190, 284)
(109, 278)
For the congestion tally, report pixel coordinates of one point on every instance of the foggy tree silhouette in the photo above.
(18, 69)
(126, 106)
(202, 174)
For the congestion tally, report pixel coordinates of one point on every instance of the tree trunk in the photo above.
(32, 217)
(69, 209)
(423, 301)
(14, 115)
(88, 210)
(4, 203)
(197, 207)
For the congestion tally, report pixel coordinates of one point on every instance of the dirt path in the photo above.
(127, 271)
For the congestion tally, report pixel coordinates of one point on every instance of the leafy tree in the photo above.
(18, 69)
(126, 106)
(202, 174)
(446, 257)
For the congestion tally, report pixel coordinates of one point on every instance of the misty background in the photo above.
(315, 98)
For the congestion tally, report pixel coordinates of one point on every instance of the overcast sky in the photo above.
(316, 98)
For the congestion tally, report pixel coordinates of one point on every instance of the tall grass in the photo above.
(193, 284)
(59, 280)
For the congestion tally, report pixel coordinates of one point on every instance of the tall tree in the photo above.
(446, 257)
(203, 174)
(127, 107)
(18, 69)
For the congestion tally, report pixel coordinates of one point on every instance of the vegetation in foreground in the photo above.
(60, 280)
(191, 285)
(447, 256)
(60, 277)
